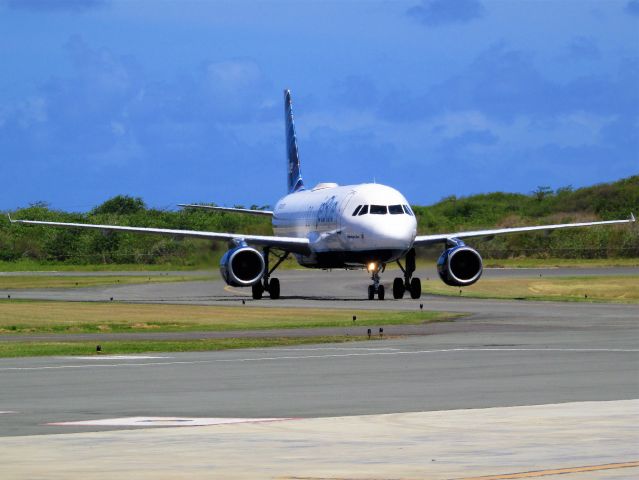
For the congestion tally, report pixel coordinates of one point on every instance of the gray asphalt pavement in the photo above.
(505, 353)
(416, 374)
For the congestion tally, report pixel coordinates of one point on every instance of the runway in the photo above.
(504, 354)
(407, 375)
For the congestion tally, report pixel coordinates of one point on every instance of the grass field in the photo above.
(32, 349)
(35, 317)
(88, 317)
(15, 282)
(34, 266)
(561, 262)
(619, 289)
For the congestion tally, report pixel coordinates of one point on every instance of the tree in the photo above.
(542, 192)
(121, 205)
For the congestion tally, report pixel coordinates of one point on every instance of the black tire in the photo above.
(257, 290)
(415, 288)
(274, 288)
(380, 292)
(398, 288)
(371, 292)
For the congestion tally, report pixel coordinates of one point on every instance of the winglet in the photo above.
(632, 217)
(11, 220)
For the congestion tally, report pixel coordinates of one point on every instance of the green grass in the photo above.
(31, 349)
(561, 262)
(591, 288)
(18, 282)
(37, 317)
(28, 265)
(28, 317)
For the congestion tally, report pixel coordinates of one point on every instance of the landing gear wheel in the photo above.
(257, 290)
(398, 288)
(371, 292)
(274, 288)
(380, 292)
(415, 288)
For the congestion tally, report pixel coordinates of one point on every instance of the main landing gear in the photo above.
(408, 283)
(268, 284)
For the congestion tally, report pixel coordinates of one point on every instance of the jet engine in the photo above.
(459, 266)
(242, 266)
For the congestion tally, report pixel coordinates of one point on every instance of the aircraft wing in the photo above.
(423, 240)
(290, 244)
(249, 211)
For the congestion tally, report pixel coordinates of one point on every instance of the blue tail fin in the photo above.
(295, 182)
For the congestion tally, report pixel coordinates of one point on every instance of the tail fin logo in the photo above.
(295, 182)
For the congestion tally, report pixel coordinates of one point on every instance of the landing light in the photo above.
(372, 267)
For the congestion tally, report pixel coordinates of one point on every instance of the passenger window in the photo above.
(408, 210)
(379, 210)
(357, 210)
(395, 210)
(364, 210)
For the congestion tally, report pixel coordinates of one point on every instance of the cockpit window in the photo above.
(364, 210)
(395, 210)
(408, 210)
(357, 210)
(379, 210)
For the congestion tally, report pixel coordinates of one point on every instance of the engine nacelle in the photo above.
(459, 266)
(242, 266)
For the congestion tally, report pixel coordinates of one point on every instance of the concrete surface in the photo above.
(579, 437)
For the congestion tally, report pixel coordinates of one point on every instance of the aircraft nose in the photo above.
(394, 234)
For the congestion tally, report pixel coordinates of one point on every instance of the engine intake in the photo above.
(459, 266)
(242, 266)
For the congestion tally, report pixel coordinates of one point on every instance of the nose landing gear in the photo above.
(376, 288)
(409, 283)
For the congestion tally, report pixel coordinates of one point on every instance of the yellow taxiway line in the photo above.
(556, 471)
(511, 476)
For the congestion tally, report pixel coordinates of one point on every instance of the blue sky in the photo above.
(181, 101)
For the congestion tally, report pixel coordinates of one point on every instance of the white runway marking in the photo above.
(379, 349)
(117, 357)
(3, 412)
(327, 356)
(165, 422)
(521, 268)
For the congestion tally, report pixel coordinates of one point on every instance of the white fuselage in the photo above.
(382, 231)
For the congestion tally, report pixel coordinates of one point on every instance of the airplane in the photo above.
(330, 226)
